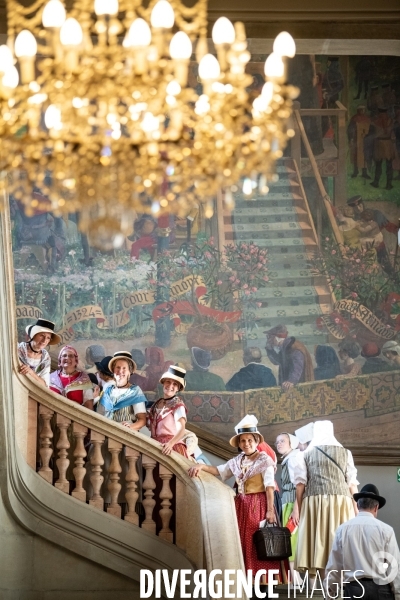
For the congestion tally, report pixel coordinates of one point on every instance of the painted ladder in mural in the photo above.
(281, 221)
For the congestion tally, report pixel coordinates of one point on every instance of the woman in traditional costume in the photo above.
(167, 416)
(33, 354)
(123, 401)
(287, 446)
(325, 479)
(254, 502)
(69, 382)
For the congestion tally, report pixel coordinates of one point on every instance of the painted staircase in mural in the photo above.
(281, 221)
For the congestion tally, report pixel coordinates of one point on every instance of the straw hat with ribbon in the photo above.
(122, 355)
(247, 425)
(43, 326)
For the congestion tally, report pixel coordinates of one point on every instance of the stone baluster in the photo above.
(79, 432)
(96, 461)
(114, 487)
(46, 437)
(62, 462)
(166, 497)
(131, 479)
(149, 485)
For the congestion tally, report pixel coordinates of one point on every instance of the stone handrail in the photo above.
(204, 536)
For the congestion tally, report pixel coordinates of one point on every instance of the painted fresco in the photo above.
(288, 293)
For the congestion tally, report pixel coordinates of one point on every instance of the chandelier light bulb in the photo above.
(223, 31)
(25, 44)
(284, 45)
(274, 66)
(267, 92)
(180, 46)
(173, 88)
(139, 34)
(105, 7)
(52, 117)
(209, 68)
(71, 33)
(10, 78)
(6, 59)
(54, 14)
(162, 15)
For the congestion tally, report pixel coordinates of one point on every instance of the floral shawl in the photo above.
(155, 415)
(82, 382)
(43, 368)
(259, 466)
(132, 395)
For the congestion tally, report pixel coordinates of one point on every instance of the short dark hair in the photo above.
(252, 354)
(367, 503)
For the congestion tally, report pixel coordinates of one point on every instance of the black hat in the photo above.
(333, 58)
(382, 109)
(93, 378)
(354, 200)
(370, 491)
(103, 366)
(43, 326)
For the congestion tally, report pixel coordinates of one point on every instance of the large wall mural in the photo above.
(284, 291)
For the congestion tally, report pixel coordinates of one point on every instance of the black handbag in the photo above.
(272, 542)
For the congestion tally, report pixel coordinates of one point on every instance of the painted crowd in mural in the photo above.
(280, 291)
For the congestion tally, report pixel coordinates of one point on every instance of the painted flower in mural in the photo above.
(362, 277)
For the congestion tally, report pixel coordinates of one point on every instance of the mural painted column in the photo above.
(163, 325)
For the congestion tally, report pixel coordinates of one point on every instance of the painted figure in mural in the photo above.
(94, 354)
(383, 223)
(166, 418)
(302, 74)
(391, 351)
(43, 233)
(357, 129)
(156, 366)
(348, 226)
(374, 363)
(288, 447)
(327, 363)
(363, 71)
(332, 82)
(253, 375)
(144, 236)
(138, 378)
(254, 502)
(357, 545)
(325, 479)
(348, 351)
(123, 402)
(371, 238)
(292, 357)
(199, 379)
(374, 102)
(388, 98)
(382, 126)
(69, 382)
(33, 355)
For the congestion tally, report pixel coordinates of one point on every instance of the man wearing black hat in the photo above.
(200, 379)
(365, 553)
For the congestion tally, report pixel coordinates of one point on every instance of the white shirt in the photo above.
(268, 475)
(301, 474)
(354, 546)
(291, 460)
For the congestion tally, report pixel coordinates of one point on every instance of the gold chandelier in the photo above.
(97, 110)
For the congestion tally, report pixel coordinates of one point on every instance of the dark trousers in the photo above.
(378, 171)
(373, 591)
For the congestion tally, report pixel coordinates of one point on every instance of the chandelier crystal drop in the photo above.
(100, 106)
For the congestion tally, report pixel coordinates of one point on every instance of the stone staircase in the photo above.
(281, 222)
